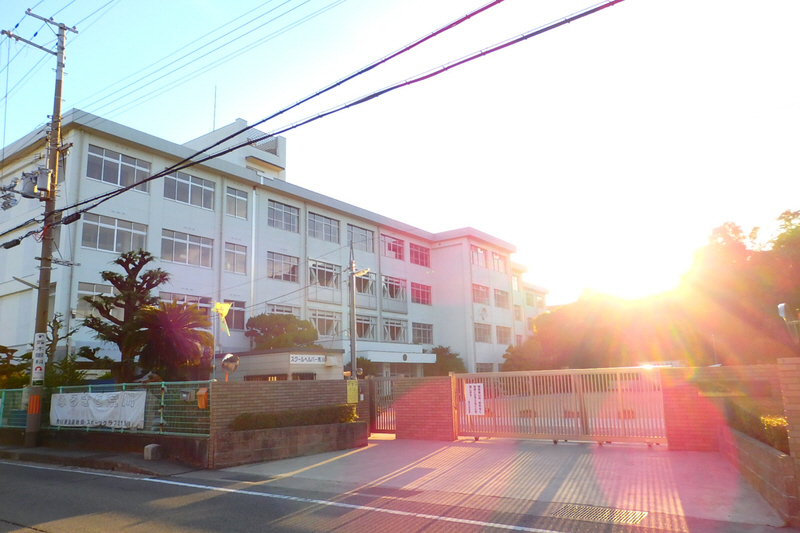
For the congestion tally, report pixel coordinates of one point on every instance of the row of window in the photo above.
(483, 333)
(115, 235)
(118, 169)
(480, 257)
(329, 324)
(481, 295)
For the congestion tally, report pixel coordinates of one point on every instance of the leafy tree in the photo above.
(14, 369)
(171, 339)
(368, 368)
(446, 362)
(132, 294)
(280, 331)
(526, 356)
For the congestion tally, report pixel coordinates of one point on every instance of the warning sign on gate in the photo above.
(474, 396)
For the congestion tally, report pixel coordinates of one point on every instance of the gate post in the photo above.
(424, 409)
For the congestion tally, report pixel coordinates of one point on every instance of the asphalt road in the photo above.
(55, 499)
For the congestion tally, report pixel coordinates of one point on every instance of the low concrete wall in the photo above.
(190, 450)
(232, 448)
(12, 436)
(768, 470)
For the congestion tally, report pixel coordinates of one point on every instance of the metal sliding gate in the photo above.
(602, 405)
(382, 413)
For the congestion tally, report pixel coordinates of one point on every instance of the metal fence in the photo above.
(603, 405)
(170, 409)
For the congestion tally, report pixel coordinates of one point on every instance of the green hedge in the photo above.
(331, 414)
(762, 420)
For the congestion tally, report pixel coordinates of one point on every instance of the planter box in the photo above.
(232, 448)
(769, 471)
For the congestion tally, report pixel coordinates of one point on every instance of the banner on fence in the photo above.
(119, 410)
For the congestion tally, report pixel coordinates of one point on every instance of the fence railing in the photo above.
(170, 408)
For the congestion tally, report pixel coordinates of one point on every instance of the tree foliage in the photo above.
(446, 362)
(14, 369)
(526, 356)
(172, 341)
(724, 310)
(132, 293)
(280, 331)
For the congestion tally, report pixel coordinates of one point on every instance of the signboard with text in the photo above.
(39, 359)
(307, 359)
(473, 393)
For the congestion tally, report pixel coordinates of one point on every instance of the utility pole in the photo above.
(353, 275)
(47, 193)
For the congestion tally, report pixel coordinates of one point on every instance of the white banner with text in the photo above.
(118, 410)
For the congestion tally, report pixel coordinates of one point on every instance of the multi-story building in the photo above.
(232, 229)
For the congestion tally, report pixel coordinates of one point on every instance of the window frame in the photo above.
(506, 333)
(233, 198)
(393, 247)
(335, 318)
(323, 228)
(366, 328)
(421, 333)
(332, 278)
(236, 314)
(395, 330)
(203, 248)
(482, 332)
(393, 288)
(176, 182)
(480, 294)
(234, 254)
(419, 255)
(283, 216)
(367, 240)
(478, 255)
(119, 162)
(499, 263)
(283, 267)
(100, 224)
(421, 294)
(502, 299)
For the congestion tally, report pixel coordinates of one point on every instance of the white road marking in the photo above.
(290, 498)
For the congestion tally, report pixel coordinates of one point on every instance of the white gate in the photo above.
(602, 405)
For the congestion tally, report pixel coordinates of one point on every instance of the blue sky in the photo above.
(606, 150)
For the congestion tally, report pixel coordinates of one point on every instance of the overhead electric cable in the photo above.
(122, 80)
(338, 83)
(89, 106)
(202, 70)
(190, 161)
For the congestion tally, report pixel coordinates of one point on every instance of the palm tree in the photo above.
(170, 338)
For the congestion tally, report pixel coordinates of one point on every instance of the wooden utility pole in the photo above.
(46, 185)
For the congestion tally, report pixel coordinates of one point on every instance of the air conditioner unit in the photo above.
(331, 360)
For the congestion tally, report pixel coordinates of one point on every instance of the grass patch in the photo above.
(330, 414)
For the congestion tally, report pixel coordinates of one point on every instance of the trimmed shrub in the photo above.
(330, 414)
(762, 420)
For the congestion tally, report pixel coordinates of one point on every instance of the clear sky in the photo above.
(606, 150)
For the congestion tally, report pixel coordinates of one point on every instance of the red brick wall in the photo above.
(692, 420)
(227, 400)
(424, 409)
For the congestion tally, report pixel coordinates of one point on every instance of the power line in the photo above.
(188, 162)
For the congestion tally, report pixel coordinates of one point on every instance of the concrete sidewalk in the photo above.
(677, 485)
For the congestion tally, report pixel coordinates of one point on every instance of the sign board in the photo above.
(352, 391)
(119, 410)
(307, 359)
(39, 359)
(474, 396)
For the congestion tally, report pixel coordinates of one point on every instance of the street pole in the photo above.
(45, 267)
(353, 370)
